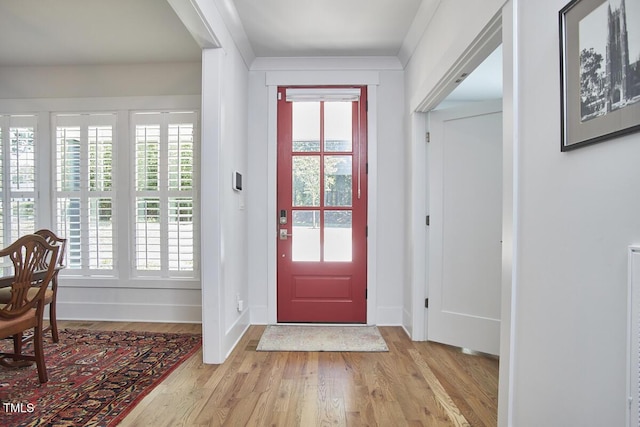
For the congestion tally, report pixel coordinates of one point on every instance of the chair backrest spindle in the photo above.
(34, 263)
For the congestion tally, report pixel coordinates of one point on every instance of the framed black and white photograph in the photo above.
(600, 70)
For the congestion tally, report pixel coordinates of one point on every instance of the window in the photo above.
(165, 235)
(121, 187)
(17, 177)
(85, 193)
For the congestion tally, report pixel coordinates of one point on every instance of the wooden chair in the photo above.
(51, 293)
(24, 312)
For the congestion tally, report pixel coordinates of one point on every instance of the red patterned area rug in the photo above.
(95, 377)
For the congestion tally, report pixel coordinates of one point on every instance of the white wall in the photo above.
(233, 146)
(224, 221)
(386, 163)
(390, 269)
(162, 79)
(578, 212)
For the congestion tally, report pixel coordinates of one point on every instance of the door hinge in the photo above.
(366, 231)
(366, 293)
(279, 96)
(427, 137)
(426, 303)
(366, 106)
(366, 168)
(428, 220)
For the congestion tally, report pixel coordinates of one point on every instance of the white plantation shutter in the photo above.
(166, 226)
(17, 177)
(85, 190)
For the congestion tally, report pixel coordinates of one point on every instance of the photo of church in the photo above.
(609, 58)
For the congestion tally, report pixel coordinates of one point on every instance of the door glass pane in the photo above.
(338, 188)
(337, 126)
(306, 236)
(306, 126)
(337, 236)
(306, 180)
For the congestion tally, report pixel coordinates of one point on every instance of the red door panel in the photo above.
(322, 200)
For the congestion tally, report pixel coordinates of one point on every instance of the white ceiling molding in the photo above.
(191, 16)
(423, 18)
(379, 63)
(231, 18)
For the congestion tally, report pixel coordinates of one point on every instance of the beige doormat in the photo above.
(321, 338)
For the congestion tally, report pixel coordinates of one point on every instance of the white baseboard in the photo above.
(385, 316)
(407, 322)
(235, 332)
(119, 312)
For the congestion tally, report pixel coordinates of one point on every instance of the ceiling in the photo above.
(61, 32)
(96, 32)
(89, 32)
(285, 28)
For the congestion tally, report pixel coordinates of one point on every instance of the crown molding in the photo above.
(322, 63)
(423, 18)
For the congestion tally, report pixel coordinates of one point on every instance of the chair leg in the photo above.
(17, 343)
(53, 320)
(39, 354)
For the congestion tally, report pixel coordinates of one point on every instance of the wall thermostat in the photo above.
(237, 181)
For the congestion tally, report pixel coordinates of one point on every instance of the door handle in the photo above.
(284, 234)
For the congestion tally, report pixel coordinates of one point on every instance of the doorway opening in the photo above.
(464, 199)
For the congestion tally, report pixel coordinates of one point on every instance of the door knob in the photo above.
(284, 234)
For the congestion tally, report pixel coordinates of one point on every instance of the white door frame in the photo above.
(313, 78)
(503, 27)
(418, 234)
(485, 44)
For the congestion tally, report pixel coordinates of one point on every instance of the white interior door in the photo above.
(465, 199)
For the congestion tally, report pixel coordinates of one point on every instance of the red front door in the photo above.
(322, 205)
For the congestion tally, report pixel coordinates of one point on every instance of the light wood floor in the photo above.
(414, 384)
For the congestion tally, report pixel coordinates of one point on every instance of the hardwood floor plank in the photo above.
(414, 384)
(443, 397)
(474, 398)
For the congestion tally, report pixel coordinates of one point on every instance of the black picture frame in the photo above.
(599, 71)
